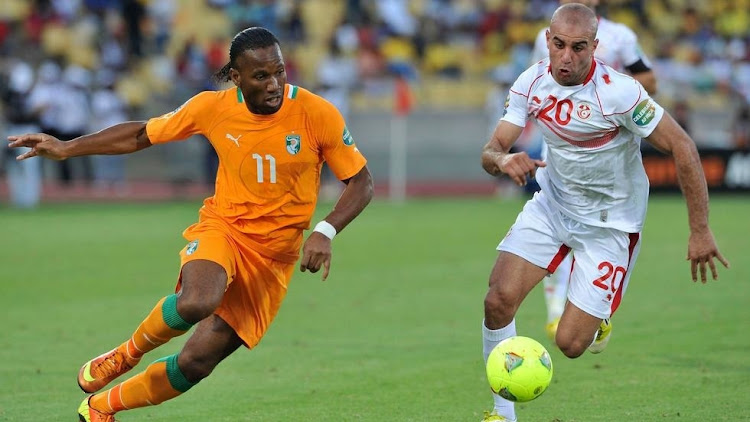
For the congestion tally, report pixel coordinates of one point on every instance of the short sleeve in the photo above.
(185, 121)
(337, 143)
(643, 117)
(516, 105)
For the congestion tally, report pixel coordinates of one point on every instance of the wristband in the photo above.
(326, 229)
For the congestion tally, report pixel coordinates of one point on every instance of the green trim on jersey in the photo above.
(240, 97)
(292, 91)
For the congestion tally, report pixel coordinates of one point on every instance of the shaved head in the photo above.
(571, 39)
(590, 3)
(576, 15)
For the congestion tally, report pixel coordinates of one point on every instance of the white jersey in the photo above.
(618, 46)
(592, 131)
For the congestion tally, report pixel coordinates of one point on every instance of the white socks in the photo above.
(490, 339)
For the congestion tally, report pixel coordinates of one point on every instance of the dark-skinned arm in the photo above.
(122, 138)
(316, 252)
(355, 197)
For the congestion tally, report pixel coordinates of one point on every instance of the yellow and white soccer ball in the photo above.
(519, 369)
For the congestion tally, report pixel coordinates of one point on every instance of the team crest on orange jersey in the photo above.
(293, 143)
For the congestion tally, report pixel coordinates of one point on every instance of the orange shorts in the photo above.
(256, 284)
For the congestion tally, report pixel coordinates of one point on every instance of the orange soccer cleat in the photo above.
(86, 413)
(101, 370)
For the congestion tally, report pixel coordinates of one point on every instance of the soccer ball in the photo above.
(519, 369)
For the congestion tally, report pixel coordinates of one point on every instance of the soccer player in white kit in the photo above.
(594, 189)
(618, 48)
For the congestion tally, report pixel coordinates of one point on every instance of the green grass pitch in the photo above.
(392, 335)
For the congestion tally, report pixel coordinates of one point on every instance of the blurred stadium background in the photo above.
(409, 278)
(456, 57)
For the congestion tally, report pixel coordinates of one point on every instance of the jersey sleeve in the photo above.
(185, 121)
(516, 105)
(336, 142)
(630, 51)
(642, 116)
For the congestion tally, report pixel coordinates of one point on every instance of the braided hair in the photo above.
(248, 39)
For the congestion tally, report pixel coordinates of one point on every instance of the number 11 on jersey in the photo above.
(271, 167)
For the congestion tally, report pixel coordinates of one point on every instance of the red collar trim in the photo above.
(591, 72)
(588, 77)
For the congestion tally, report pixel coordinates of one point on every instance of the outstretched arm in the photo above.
(497, 159)
(671, 139)
(316, 252)
(122, 138)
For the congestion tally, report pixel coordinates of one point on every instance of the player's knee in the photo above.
(193, 309)
(199, 298)
(571, 347)
(498, 304)
(195, 367)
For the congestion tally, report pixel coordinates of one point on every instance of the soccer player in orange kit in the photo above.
(271, 138)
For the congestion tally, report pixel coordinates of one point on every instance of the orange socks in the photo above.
(161, 381)
(162, 324)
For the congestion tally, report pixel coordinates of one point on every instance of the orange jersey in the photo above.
(269, 165)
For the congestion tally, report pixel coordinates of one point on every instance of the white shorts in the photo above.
(603, 258)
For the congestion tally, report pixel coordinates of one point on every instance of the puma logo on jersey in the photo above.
(233, 139)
